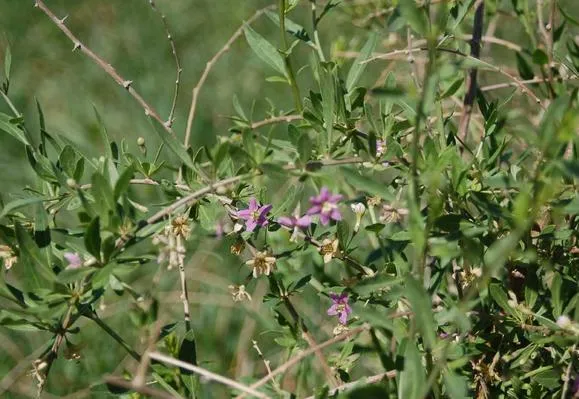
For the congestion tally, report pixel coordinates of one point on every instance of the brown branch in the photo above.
(296, 359)
(366, 380)
(127, 84)
(140, 388)
(171, 117)
(471, 78)
(208, 68)
(275, 119)
(207, 374)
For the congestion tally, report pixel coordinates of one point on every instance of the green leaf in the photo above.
(422, 309)
(103, 194)
(358, 66)
(264, 50)
(123, 182)
(500, 297)
(556, 284)
(68, 276)
(540, 57)
(92, 238)
(188, 351)
(174, 145)
(291, 27)
(456, 385)
(363, 183)
(7, 62)
(375, 284)
(525, 70)
(7, 125)
(412, 378)
(570, 18)
(414, 16)
(36, 267)
(549, 378)
(19, 203)
(104, 134)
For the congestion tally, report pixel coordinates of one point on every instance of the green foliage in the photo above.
(429, 244)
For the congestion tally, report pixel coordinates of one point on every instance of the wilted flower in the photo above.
(261, 263)
(8, 255)
(255, 215)
(239, 293)
(391, 214)
(74, 260)
(326, 206)
(222, 227)
(340, 307)
(181, 227)
(295, 222)
(359, 209)
(374, 201)
(329, 249)
(237, 247)
(172, 248)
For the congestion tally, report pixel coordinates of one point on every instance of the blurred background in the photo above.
(130, 35)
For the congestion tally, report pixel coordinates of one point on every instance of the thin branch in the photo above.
(127, 84)
(184, 291)
(471, 77)
(276, 119)
(145, 390)
(208, 68)
(207, 374)
(296, 359)
(171, 117)
(362, 381)
(525, 82)
(491, 67)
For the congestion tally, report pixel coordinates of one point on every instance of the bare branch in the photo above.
(366, 380)
(171, 117)
(276, 119)
(296, 359)
(127, 84)
(208, 68)
(121, 382)
(207, 374)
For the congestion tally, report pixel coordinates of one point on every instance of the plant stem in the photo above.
(316, 36)
(94, 317)
(286, 57)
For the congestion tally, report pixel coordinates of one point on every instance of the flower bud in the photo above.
(71, 183)
(140, 141)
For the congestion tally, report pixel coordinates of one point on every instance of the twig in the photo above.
(171, 117)
(491, 67)
(548, 43)
(296, 359)
(286, 58)
(471, 78)
(568, 374)
(208, 68)
(525, 82)
(266, 363)
(316, 35)
(310, 340)
(184, 292)
(207, 374)
(276, 119)
(127, 84)
(362, 381)
(121, 382)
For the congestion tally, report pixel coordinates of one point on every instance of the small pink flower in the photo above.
(255, 215)
(74, 260)
(295, 222)
(326, 206)
(340, 307)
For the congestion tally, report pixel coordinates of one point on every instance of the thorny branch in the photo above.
(108, 68)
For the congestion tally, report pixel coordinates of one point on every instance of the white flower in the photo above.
(564, 322)
(261, 264)
(8, 255)
(329, 249)
(359, 209)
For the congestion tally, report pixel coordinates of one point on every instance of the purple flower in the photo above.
(380, 148)
(295, 221)
(575, 386)
(340, 307)
(325, 205)
(255, 215)
(74, 260)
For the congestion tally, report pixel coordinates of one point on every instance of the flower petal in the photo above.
(250, 225)
(314, 210)
(333, 310)
(304, 221)
(286, 221)
(253, 206)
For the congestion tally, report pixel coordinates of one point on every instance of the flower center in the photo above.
(328, 207)
(255, 215)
